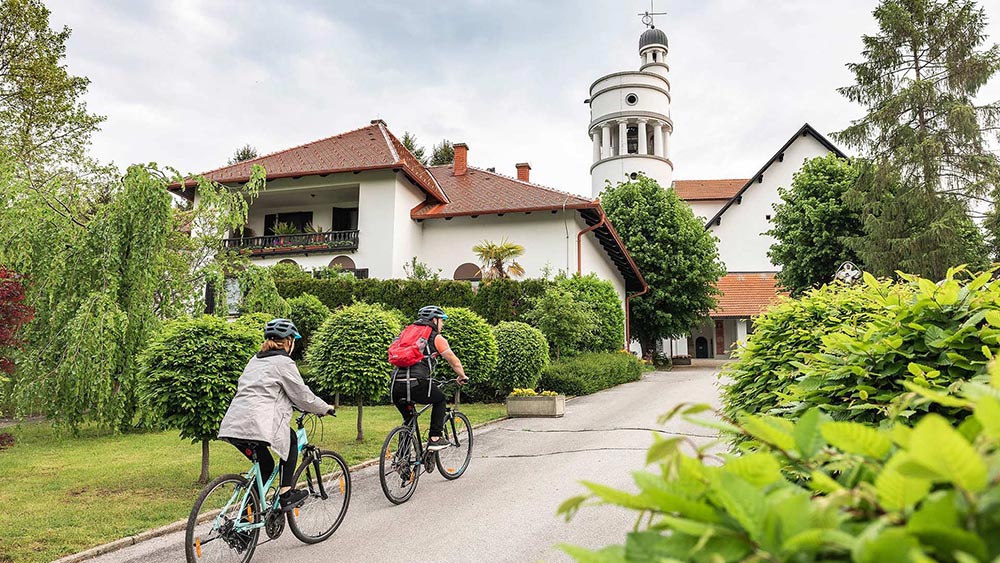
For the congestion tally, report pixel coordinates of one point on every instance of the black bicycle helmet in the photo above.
(431, 312)
(279, 329)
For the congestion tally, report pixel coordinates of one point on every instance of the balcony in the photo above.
(301, 243)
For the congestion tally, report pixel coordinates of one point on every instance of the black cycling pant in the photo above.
(266, 462)
(419, 394)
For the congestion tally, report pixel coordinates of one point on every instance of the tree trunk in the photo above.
(336, 400)
(648, 346)
(203, 478)
(361, 432)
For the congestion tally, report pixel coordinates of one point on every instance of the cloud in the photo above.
(185, 83)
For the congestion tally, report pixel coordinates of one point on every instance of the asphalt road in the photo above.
(504, 507)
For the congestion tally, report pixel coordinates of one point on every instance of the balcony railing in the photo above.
(332, 241)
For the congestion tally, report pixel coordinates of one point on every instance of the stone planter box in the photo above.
(522, 407)
(681, 360)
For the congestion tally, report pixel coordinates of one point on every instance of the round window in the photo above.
(631, 99)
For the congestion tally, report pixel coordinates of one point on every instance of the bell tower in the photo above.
(630, 123)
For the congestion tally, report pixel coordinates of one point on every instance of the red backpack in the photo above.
(410, 347)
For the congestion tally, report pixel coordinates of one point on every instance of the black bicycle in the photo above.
(227, 518)
(405, 456)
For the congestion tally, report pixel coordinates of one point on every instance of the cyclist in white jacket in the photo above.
(260, 414)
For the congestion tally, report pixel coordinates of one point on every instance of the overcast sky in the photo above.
(184, 82)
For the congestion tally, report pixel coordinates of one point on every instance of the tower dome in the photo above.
(652, 36)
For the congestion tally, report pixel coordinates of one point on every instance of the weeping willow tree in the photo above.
(105, 274)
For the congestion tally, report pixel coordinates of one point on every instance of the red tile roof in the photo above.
(708, 190)
(746, 294)
(478, 192)
(369, 148)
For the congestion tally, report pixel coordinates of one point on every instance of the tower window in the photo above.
(633, 139)
(654, 56)
(631, 99)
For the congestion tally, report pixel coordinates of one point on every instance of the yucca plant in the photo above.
(498, 259)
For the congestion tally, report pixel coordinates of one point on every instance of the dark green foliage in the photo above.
(409, 141)
(925, 134)
(502, 300)
(912, 228)
(254, 322)
(609, 317)
(308, 313)
(496, 301)
(523, 353)
(812, 224)
(676, 255)
(590, 372)
(567, 322)
(442, 153)
(471, 338)
(288, 271)
(260, 295)
(188, 375)
(784, 337)
(244, 153)
(349, 354)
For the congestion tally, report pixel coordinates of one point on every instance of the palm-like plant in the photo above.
(498, 259)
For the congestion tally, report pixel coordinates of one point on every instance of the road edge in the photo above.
(129, 541)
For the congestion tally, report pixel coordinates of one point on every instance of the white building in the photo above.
(631, 127)
(361, 200)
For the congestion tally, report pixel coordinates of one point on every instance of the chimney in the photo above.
(523, 171)
(461, 159)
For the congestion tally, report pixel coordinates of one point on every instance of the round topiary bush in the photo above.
(349, 354)
(308, 314)
(606, 304)
(473, 342)
(189, 372)
(523, 352)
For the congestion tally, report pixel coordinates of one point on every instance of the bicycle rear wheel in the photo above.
(398, 465)
(453, 461)
(319, 517)
(210, 534)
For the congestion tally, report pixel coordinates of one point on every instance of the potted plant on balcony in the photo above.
(317, 232)
(522, 403)
(281, 230)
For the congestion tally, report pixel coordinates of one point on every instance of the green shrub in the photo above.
(609, 324)
(308, 313)
(928, 335)
(523, 352)
(504, 299)
(260, 295)
(405, 295)
(348, 354)
(820, 490)
(472, 341)
(785, 336)
(254, 322)
(289, 271)
(590, 372)
(188, 375)
(402, 317)
(566, 322)
(334, 292)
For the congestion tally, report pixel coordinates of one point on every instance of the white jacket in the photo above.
(262, 408)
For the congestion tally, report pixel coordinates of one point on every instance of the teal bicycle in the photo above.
(226, 520)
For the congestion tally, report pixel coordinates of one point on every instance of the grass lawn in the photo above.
(63, 494)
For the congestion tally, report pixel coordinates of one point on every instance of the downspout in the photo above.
(579, 241)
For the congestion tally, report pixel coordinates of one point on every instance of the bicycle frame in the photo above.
(415, 425)
(254, 477)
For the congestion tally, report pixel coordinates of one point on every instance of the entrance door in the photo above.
(701, 347)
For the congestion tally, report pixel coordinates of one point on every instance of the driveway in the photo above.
(504, 507)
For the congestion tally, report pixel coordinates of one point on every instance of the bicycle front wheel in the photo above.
(398, 465)
(211, 529)
(328, 482)
(454, 460)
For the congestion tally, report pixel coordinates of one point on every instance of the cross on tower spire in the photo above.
(647, 16)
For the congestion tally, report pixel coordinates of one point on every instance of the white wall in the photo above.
(376, 223)
(617, 169)
(742, 245)
(407, 233)
(706, 209)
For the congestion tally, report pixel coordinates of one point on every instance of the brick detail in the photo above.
(523, 171)
(461, 159)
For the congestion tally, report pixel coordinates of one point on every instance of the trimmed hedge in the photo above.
(471, 338)
(609, 327)
(590, 372)
(495, 300)
(308, 313)
(523, 354)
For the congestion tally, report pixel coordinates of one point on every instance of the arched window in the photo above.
(344, 262)
(288, 261)
(468, 272)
